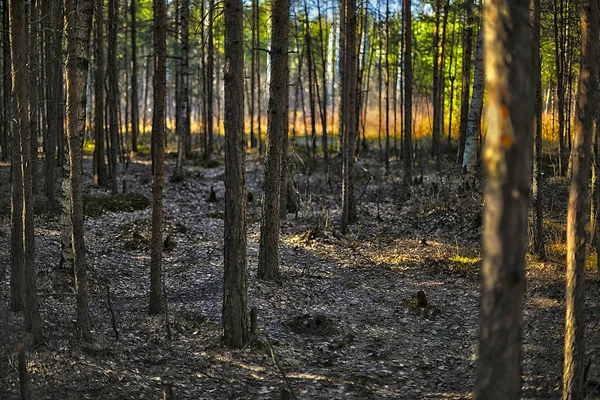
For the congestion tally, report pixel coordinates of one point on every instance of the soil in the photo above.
(387, 311)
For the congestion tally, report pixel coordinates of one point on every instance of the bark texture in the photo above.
(469, 166)
(23, 189)
(350, 122)
(578, 209)
(79, 24)
(407, 34)
(235, 307)
(536, 186)
(268, 256)
(158, 150)
(506, 155)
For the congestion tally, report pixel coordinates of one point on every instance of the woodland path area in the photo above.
(344, 324)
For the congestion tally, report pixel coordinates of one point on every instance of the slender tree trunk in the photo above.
(101, 178)
(311, 75)
(158, 149)
(135, 114)
(349, 115)
(324, 36)
(6, 63)
(536, 189)
(506, 156)
(181, 122)
(17, 275)
(112, 97)
(268, 256)
(469, 165)
(79, 24)
(452, 79)
(18, 39)
(253, 55)
(577, 215)
(387, 87)
(559, 56)
(466, 78)
(5, 90)
(407, 33)
(209, 100)
(435, 139)
(33, 64)
(235, 308)
(53, 53)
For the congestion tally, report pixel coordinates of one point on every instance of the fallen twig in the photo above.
(113, 318)
(281, 371)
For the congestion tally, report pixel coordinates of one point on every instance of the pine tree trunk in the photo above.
(466, 78)
(577, 215)
(268, 257)
(53, 54)
(435, 139)
(112, 96)
(135, 114)
(79, 24)
(209, 101)
(349, 115)
(536, 188)
(18, 39)
(101, 178)
(235, 308)
(407, 143)
(469, 165)
(158, 149)
(506, 156)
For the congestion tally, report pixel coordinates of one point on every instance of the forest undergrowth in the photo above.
(387, 311)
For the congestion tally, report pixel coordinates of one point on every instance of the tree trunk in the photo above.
(209, 79)
(53, 53)
(559, 56)
(235, 308)
(24, 190)
(158, 149)
(112, 97)
(407, 33)
(6, 63)
(387, 87)
(466, 78)
(577, 215)
(507, 157)
(324, 36)
(268, 257)
(349, 115)
(79, 24)
(469, 165)
(135, 114)
(435, 137)
(17, 275)
(101, 178)
(181, 113)
(536, 189)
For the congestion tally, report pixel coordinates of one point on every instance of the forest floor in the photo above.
(344, 323)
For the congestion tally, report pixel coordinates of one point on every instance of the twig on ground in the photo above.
(281, 371)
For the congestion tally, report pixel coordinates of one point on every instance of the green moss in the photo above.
(94, 206)
(464, 265)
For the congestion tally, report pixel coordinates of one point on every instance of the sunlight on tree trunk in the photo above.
(506, 155)
(268, 257)
(79, 24)
(577, 215)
